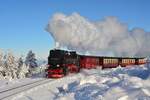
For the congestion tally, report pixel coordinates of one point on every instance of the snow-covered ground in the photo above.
(132, 83)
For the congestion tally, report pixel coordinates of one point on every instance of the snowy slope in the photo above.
(130, 83)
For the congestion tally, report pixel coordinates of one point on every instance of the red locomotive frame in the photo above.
(61, 62)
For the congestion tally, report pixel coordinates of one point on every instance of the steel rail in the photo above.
(9, 93)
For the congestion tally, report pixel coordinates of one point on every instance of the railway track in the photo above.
(4, 94)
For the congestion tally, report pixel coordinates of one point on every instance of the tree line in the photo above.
(13, 68)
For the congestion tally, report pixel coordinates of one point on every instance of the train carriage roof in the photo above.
(106, 57)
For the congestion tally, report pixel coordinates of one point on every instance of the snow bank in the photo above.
(112, 84)
(95, 84)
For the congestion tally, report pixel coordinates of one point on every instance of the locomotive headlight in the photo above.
(58, 65)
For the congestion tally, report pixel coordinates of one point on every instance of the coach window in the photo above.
(142, 61)
(129, 60)
(113, 61)
(116, 61)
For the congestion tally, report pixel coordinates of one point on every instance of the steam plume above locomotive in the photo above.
(75, 32)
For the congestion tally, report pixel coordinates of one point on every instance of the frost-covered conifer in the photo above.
(10, 66)
(20, 62)
(31, 61)
(22, 69)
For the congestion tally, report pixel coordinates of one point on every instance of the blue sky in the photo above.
(23, 22)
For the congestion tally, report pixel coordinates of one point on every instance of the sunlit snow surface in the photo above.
(132, 83)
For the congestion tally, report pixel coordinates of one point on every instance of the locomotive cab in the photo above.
(55, 63)
(61, 62)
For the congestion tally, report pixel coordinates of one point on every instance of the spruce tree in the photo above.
(22, 69)
(10, 66)
(31, 61)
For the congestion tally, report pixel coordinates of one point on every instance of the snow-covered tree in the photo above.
(22, 69)
(1, 65)
(10, 66)
(20, 62)
(31, 61)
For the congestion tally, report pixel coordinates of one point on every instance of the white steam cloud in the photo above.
(107, 36)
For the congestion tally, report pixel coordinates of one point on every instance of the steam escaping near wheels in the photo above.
(107, 36)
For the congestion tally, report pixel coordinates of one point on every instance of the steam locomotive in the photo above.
(62, 62)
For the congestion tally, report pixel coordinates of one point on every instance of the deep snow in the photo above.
(131, 83)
